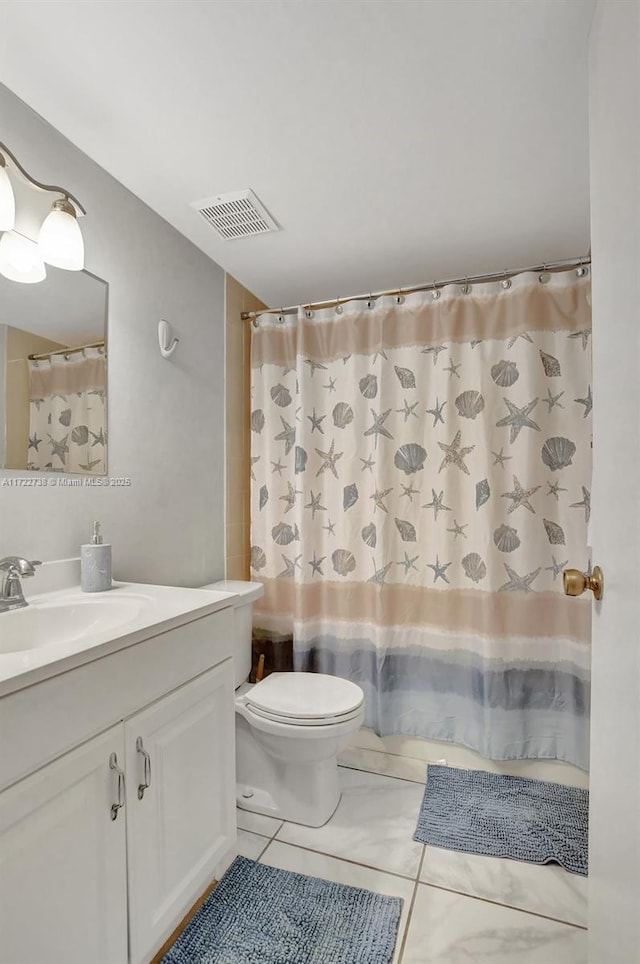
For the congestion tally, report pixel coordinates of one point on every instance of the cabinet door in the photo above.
(63, 884)
(180, 826)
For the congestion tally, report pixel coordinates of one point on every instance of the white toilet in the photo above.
(290, 729)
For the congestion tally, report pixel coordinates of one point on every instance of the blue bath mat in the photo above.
(261, 915)
(501, 816)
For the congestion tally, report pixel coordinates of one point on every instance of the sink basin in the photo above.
(64, 628)
(49, 623)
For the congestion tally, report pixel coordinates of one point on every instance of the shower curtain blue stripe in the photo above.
(506, 712)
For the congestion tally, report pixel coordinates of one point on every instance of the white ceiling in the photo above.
(395, 141)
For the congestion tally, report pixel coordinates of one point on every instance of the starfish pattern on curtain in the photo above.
(68, 413)
(422, 476)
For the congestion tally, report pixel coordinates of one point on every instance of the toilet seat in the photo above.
(306, 721)
(325, 731)
(304, 699)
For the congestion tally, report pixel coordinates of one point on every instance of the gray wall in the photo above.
(166, 418)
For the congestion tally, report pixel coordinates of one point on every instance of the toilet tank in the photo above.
(245, 593)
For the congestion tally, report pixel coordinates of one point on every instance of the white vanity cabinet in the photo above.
(82, 879)
(63, 871)
(183, 822)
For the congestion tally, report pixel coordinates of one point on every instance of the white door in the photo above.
(183, 822)
(63, 884)
(614, 121)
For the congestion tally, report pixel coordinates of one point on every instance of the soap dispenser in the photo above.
(95, 564)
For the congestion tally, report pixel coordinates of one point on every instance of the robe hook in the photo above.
(167, 342)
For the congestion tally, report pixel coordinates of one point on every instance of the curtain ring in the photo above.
(435, 293)
(255, 321)
(281, 317)
(399, 299)
(338, 308)
(506, 282)
(582, 270)
(371, 302)
(308, 312)
(544, 277)
(466, 287)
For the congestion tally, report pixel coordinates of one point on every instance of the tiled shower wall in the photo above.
(238, 433)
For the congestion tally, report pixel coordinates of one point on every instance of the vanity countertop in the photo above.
(61, 630)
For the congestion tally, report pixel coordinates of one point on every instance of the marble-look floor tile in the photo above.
(366, 739)
(373, 825)
(542, 889)
(250, 844)
(372, 761)
(353, 875)
(257, 823)
(448, 928)
(435, 751)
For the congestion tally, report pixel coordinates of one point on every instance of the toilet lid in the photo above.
(305, 696)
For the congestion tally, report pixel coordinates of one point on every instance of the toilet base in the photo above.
(263, 803)
(282, 786)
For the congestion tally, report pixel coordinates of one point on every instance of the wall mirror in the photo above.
(53, 378)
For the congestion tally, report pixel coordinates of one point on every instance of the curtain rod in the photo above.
(434, 285)
(65, 351)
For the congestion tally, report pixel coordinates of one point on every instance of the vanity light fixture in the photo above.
(35, 229)
(20, 259)
(7, 199)
(60, 241)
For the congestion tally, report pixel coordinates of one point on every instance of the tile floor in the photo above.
(458, 908)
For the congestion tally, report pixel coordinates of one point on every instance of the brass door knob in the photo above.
(576, 582)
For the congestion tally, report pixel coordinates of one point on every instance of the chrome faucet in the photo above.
(14, 569)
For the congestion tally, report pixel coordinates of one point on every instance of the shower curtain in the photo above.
(67, 413)
(420, 478)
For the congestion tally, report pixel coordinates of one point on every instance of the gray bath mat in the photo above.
(501, 816)
(261, 915)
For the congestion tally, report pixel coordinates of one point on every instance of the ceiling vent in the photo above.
(236, 214)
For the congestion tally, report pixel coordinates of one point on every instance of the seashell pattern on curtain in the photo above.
(68, 413)
(422, 477)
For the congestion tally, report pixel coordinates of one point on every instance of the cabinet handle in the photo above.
(147, 768)
(113, 765)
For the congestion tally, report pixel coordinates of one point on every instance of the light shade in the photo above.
(60, 240)
(20, 259)
(7, 200)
